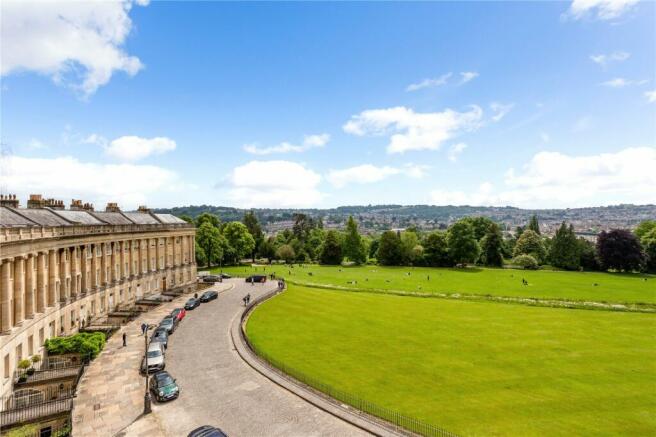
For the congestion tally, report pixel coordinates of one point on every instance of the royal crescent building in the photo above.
(61, 269)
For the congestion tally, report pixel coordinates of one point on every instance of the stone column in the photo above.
(41, 282)
(30, 284)
(121, 260)
(6, 289)
(158, 254)
(103, 264)
(19, 289)
(113, 245)
(52, 273)
(63, 289)
(75, 269)
(85, 269)
(140, 253)
(94, 266)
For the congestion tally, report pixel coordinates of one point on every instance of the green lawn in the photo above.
(611, 287)
(473, 368)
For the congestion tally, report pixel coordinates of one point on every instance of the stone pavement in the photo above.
(110, 394)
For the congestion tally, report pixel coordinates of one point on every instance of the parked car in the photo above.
(256, 278)
(212, 278)
(207, 431)
(191, 304)
(170, 323)
(164, 387)
(155, 358)
(225, 276)
(209, 295)
(179, 313)
(160, 335)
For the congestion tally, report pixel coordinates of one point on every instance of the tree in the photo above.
(410, 249)
(373, 248)
(389, 249)
(331, 252)
(353, 247)
(644, 228)
(587, 254)
(201, 258)
(648, 242)
(314, 242)
(463, 247)
(239, 239)
(302, 226)
(267, 248)
(187, 218)
(207, 217)
(480, 225)
(530, 243)
(436, 250)
(565, 250)
(533, 224)
(208, 238)
(528, 262)
(253, 226)
(620, 250)
(286, 252)
(492, 247)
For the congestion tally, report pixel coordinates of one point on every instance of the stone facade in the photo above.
(62, 268)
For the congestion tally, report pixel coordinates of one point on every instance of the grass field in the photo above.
(611, 287)
(474, 368)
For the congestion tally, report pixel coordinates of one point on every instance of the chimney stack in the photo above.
(112, 207)
(54, 204)
(87, 206)
(9, 200)
(143, 209)
(36, 201)
(76, 205)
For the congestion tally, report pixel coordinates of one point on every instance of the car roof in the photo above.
(161, 375)
(155, 345)
(207, 431)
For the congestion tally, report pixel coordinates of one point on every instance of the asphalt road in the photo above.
(218, 388)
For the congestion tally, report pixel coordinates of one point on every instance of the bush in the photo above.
(24, 364)
(23, 431)
(528, 262)
(83, 343)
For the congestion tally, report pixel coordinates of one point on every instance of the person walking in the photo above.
(125, 339)
(144, 328)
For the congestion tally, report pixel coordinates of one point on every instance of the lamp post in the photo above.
(147, 400)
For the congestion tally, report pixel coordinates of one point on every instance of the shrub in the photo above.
(24, 364)
(23, 431)
(83, 343)
(528, 262)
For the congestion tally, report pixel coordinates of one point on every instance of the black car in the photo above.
(170, 323)
(256, 278)
(209, 295)
(225, 276)
(163, 387)
(207, 431)
(191, 304)
(161, 335)
(212, 278)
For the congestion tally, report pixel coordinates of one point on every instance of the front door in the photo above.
(163, 284)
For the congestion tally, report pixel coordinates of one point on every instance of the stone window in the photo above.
(41, 339)
(19, 353)
(6, 375)
(30, 345)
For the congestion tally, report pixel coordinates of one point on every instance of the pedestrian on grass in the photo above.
(125, 339)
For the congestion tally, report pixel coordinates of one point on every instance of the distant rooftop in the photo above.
(41, 212)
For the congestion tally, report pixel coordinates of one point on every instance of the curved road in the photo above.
(220, 389)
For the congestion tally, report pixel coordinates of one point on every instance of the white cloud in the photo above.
(455, 151)
(414, 131)
(368, 173)
(429, 83)
(77, 44)
(35, 144)
(605, 60)
(68, 178)
(557, 180)
(309, 142)
(500, 110)
(466, 76)
(620, 82)
(132, 148)
(651, 96)
(600, 9)
(275, 184)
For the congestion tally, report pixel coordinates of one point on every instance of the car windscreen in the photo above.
(164, 380)
(154, 354)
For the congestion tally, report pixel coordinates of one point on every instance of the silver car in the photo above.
(155, 358)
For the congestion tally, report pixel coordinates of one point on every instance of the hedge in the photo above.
(83, 343)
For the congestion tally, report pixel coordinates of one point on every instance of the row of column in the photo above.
(30, 283)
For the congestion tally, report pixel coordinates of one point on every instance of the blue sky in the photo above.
(535, 104)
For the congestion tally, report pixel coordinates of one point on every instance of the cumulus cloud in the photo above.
(599, 9)
(133, 148)
(69, 178)
(466, 76)
(412, 130)
(276, 184)
(554, 179)
(429, 83)
(77, 44)
(369, 173)
(309, 142)
(455, 151)
(620, 82)
(605, 60)
(651, 96)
